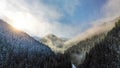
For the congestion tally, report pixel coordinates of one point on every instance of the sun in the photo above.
(19, 26)
(22, 21)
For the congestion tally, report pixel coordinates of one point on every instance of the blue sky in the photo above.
(64, 18)
(85, 10)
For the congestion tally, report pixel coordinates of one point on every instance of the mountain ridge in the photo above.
(24, 40)
(105, 54)
(77, 52)
(19, 50)
(95, 30)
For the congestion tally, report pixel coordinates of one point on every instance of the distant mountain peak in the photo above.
(50, 35)
(54, 42)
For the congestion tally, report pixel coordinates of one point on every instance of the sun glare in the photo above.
(19, 26)
(22, 21)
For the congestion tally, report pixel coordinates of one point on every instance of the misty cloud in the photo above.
(42, 19)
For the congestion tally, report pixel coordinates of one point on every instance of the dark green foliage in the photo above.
(10, 60)
(58, 61)
(106, 54)
(87, 44)
(83, 47)
(118, 24)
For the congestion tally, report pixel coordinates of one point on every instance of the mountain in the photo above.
(82, 44)
(105, 54)
(54, 42)
(78, 52)
(19, 39)
(94, 30)
(19, 50)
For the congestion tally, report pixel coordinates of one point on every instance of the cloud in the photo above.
(71, 5)
(111, 13)
(39, 19)
(64, 6)
(112, 8)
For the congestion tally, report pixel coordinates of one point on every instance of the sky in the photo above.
(64, 18)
